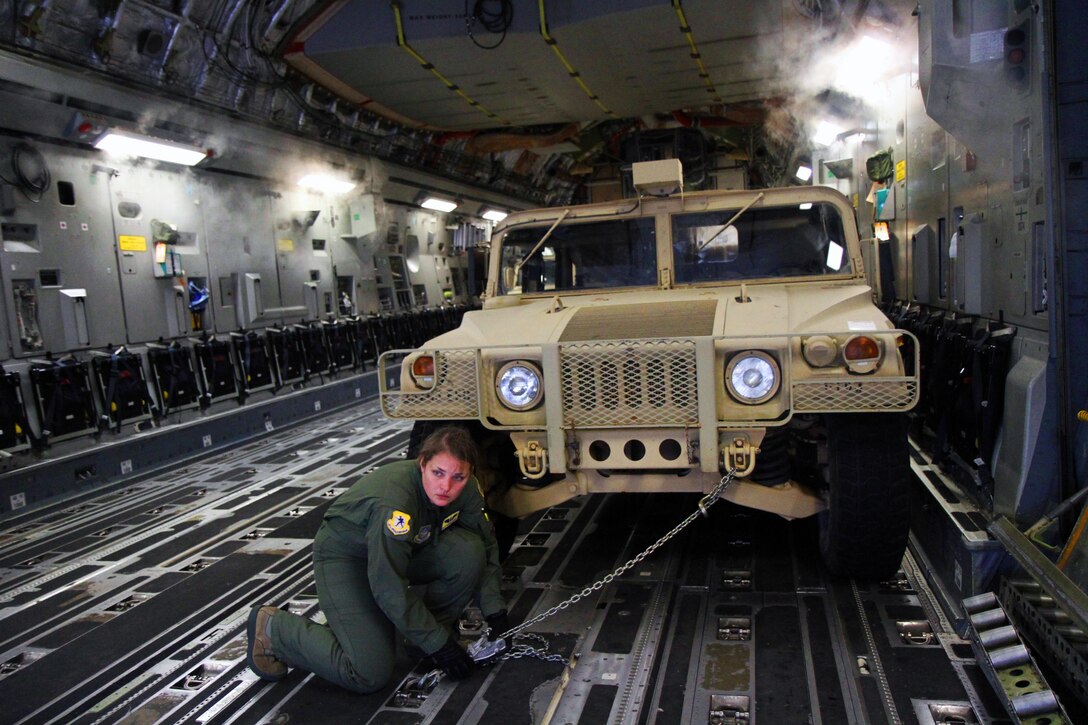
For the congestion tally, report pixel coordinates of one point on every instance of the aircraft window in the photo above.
(128, 209)
(587, 255)
(66, 193)
(411, 252)
(788, 241)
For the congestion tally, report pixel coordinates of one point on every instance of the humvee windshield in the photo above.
(767, 242)
(578, 256)
(707, 246)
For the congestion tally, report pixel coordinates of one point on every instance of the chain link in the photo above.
(520, 649)
(704, 503)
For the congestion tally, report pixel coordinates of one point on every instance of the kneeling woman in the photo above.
(417, 522)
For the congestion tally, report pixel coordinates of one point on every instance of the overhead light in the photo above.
(826, 133)
(873, 49)
(437, 203)
(803, 173)
(805, 206)
(493, 215)
(129, 144)
(326, 183)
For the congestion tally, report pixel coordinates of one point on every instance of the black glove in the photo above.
(453, 660)
(499, 623)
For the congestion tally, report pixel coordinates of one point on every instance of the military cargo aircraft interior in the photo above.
(767, 321)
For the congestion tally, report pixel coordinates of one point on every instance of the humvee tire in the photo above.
(863, 533)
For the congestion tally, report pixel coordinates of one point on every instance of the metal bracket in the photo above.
(414, 691)
(729, 710)
(741, 455)
(735, 628)
(472, 623)
(483, 650)
(736, 579)
(533, 459)
(917, 632)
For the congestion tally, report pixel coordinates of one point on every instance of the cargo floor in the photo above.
(129, 605)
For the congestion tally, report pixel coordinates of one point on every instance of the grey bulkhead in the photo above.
(89, 292)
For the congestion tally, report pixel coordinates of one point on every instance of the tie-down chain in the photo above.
(515, 643)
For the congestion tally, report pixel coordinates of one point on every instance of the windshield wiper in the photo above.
(746, 207)
(523, 260)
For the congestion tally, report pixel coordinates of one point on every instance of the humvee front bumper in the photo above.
(648, 404)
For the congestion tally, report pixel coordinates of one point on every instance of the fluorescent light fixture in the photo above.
(873, 49)
(803, 173)
(326, 183)
(805, 206)
(128, 144)
(438, 204)
(826, 133)
(493, 215)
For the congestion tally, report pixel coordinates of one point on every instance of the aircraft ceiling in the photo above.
(538, 97)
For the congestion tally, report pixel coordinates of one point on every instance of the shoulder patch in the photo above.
(399, 523)
(449, 520)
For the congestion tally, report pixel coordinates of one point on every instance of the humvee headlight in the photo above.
(752, 377)
(519, 385)
(423, 371)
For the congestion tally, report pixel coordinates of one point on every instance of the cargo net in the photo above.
(453, 396)
(876, 395)
(629, 382)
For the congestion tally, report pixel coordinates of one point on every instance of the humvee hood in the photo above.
(768, 310)
(774, 310)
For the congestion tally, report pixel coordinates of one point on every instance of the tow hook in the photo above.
(533, 459)
(740, 455)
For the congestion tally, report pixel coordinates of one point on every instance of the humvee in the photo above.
(653, 344)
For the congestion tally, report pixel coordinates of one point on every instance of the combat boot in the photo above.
(259, 655)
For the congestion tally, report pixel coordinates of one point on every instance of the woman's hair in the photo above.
(450, 439)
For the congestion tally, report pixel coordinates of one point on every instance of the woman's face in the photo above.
(444, 477)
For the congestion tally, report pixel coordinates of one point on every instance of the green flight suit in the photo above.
(380, 536)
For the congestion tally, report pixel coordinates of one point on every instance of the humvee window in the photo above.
(771, 242)
(589, 255)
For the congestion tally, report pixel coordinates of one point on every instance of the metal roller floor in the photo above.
(129, 606)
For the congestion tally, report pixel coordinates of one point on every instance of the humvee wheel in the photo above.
(863, 533)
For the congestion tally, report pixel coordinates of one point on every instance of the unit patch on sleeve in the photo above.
(399, 523)
(449, 520)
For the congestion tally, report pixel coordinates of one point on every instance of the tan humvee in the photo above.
(653, 344)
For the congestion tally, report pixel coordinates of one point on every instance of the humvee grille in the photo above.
(453, 396)
(876, 395)
(629, 382)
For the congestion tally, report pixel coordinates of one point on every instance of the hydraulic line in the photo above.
(685, 28)
(402, 41)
